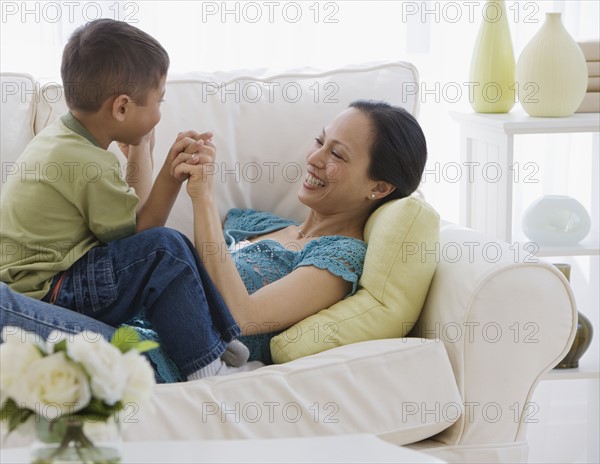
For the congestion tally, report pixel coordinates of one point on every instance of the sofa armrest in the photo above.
(505, 318)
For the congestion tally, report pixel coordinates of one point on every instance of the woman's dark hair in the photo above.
(399, 150)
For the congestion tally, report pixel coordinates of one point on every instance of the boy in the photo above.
(84, 239)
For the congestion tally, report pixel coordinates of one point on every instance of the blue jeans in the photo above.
(42, 318)
(155, 275)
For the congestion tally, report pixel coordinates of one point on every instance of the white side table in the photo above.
(331, 449)
(488, 139)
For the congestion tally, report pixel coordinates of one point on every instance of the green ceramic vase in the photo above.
(583, 336)
(581, 343)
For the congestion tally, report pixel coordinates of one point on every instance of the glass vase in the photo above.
(556, 220)
(70, 440)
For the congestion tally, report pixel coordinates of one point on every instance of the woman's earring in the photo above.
(373, 196)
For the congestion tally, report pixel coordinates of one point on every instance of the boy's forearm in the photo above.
(138, 172)
(154, 212)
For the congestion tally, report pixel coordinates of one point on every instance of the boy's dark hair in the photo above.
(107, 58)
(399, 150)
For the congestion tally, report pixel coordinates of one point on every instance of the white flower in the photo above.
(104, 364)
(55, 337)
(11, 334)
(17, 354)
(54, 386)
(140, 381)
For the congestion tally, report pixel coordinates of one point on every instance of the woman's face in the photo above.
(338, 163)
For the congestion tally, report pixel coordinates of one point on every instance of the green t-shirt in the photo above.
(63, 196)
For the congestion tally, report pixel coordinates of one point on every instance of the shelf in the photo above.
(588, 369)
(587, 247)
(582, 249)
(490, 139)
(519, 122)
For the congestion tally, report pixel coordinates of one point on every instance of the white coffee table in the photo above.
(331, 449)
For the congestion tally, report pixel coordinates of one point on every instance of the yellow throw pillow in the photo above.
(402, 238)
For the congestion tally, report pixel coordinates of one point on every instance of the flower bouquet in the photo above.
(71, 386)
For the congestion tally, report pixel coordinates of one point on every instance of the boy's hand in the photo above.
(206, 136)
(198, 167)
(187, 149)
(147, 140)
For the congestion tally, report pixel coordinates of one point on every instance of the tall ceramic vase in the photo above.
(551, 72)
(493, 63)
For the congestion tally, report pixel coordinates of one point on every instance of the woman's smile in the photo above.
(312, 182)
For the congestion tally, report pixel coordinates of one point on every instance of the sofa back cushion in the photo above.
(392, 288)
(16, 122)
(263, 125)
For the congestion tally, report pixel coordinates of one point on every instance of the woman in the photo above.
(371, 153)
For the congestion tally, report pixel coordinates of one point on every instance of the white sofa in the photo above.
(491, 326)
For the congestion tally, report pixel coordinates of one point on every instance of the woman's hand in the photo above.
(197, 164)
(183, 150)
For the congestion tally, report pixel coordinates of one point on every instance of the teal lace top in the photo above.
(266, 261)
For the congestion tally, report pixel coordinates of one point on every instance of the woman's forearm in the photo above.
(211, 247)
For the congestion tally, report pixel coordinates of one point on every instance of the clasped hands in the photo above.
(192, 157)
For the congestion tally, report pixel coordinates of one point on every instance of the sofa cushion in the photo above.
(392, 288)
(378, 387)
(16, 120)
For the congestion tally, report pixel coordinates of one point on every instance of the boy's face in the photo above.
(141, 119)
